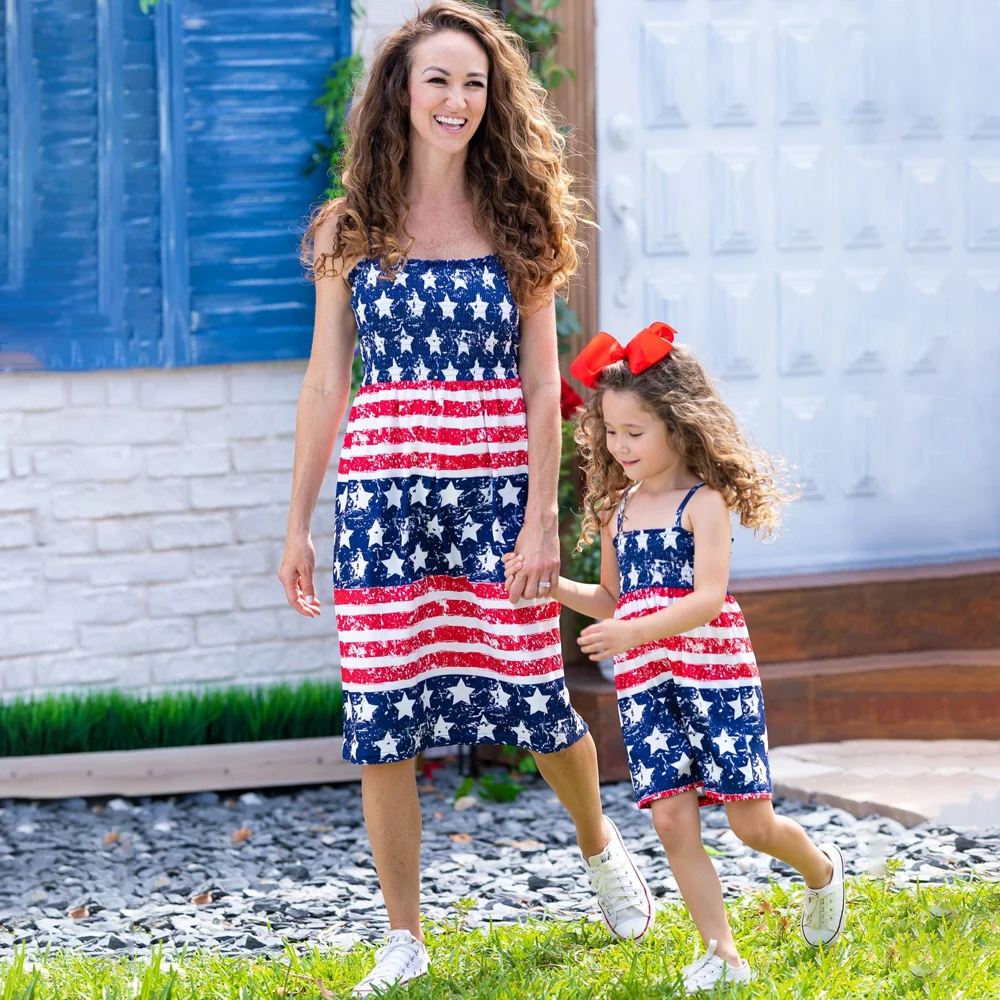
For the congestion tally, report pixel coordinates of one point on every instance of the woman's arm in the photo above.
(710, 524)
(322, 402)
(538, 367)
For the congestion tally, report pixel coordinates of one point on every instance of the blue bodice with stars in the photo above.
(450, 320)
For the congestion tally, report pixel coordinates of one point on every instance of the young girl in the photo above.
(665, 464)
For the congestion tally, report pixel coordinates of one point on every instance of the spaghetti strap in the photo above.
(621, 507)
(680, 510)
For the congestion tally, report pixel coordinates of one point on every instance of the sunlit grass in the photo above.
(941, 943)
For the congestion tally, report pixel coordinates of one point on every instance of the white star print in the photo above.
(490, 343)
(488, 560)
(470, 530)
(499, 371)
(714, 771)
(406, 342)
(505, 308)
(463, 346)
(485, 730)
(737, 706)
(477, 371)
(687, 575)
(559, 738)
(645, 776)
(434, 342)
(393, 496)
(657, 740)
(635, 711)
(683, 766)
(657, 576)
(419, 559)
(416, 304)
(640, 539)
(633, 577)
(488, 277)
(362, 309)
(501, 696)
(393, 565)
(454, 557)
(361, 496)
(538, 702)
(379, 343)
(450, 373)
(478, 307)
(354, 747)
(747, 771)
(395, 372)
(497, 531)
(435, 527)
(387, 746)
(441, 729)
(461, 692)
(404, 707)
(429, 279)
(359, 564)
(510, 493)
(695, 738)
(487, 493)
(458, 280)
(342, 499)
(373, 372)
(345, 536)
(760, 768)
(724, 742)
(373, 272)
(450, 495)
(425, 696)
(670, 540)
(364, 711)
(419, 493)
(700, 704)
(401, 278)
(384, 305)
(754, 705)
(447, 308)
(422, 370)
(523, 733)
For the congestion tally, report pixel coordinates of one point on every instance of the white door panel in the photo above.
(810, 194)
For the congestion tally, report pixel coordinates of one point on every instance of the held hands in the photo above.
(515, 579)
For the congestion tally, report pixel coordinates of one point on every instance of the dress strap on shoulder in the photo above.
(621, 506)
(680, 510)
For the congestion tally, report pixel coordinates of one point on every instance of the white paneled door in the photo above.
(810, 193)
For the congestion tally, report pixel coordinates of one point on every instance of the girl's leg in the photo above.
(392, 818)
(572, 775)
(755, 823)
(678, 824)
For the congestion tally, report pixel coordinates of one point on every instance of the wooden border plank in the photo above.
(173, 770)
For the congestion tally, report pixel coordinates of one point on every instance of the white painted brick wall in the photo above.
(142, 522)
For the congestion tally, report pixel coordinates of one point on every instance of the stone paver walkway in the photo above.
(953, 782)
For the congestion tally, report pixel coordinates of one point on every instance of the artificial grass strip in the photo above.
(118, 720)
(939, 943)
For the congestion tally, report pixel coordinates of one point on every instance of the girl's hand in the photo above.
(540, 550)
(512, 565)
(606, 638)
(296, 575)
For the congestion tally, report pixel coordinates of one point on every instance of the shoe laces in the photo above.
(612, 882)
(691, 970)
(820, 908)
(392, 958)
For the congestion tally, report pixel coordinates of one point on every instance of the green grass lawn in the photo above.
(941, 943)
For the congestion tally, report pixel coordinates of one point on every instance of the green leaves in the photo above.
(118, 720)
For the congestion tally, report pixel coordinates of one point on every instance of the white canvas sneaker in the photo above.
(709, 970)
(824, 911)
(399, 960)
(622, 893)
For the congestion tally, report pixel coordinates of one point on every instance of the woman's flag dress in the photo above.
(431, 490)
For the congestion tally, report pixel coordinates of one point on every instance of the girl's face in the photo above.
(448, 81)
(636, 438)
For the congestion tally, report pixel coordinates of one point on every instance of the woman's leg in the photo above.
(755, 823)
(392, 818)
(678, 825)
(572, 775)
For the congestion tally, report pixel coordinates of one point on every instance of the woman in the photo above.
(444, 255)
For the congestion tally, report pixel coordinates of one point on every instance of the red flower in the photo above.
(569, 400)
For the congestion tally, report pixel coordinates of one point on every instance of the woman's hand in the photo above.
(539, 550)
(607, 637)
(296, 575)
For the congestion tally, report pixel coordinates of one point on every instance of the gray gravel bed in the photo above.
(120, 877)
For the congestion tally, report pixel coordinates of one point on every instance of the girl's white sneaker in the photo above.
(709, 970)
(824, 911)
(399, 960)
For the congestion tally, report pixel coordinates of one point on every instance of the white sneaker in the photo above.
(709, 970)
(824, 911)
(622, 893)
(399, 960)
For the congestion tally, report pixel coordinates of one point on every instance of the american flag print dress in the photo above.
(431, 491)
(690, 705)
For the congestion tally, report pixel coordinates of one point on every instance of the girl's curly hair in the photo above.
(699, 425)
(514, 164)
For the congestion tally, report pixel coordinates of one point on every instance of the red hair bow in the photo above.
(647, 347)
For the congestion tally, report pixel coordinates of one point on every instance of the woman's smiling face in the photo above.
(448, 80)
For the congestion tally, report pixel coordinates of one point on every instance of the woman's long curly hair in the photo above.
(514, 165)
(699, 425)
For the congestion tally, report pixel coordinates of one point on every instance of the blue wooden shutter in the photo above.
(151, 179)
